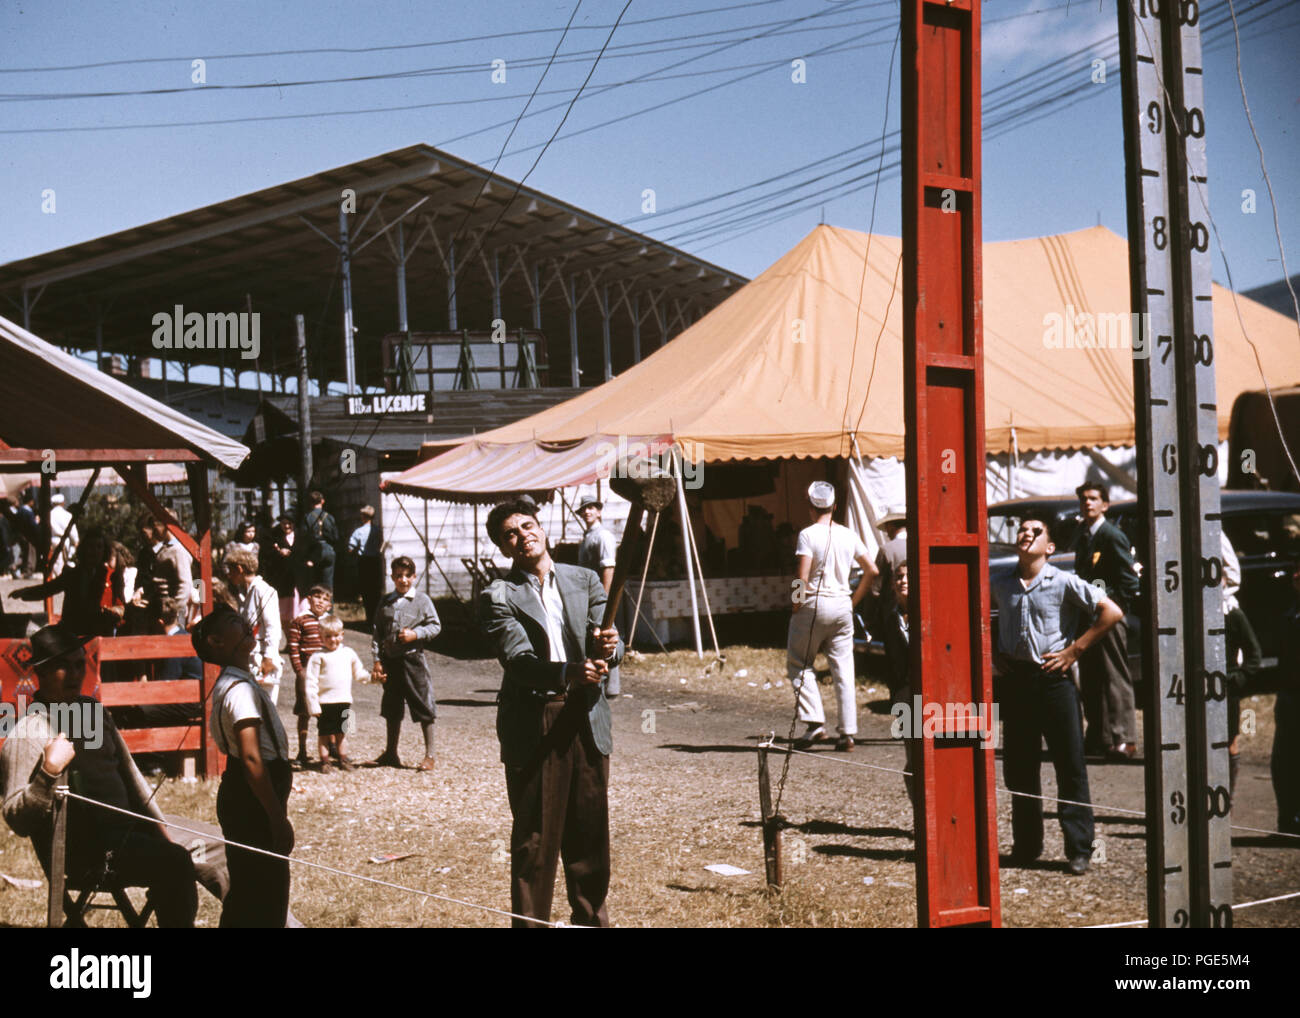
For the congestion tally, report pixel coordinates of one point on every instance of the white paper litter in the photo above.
(742, 673)
(725, 869)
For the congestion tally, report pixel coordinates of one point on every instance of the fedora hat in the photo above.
(52, 642)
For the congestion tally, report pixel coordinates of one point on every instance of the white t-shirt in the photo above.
(235, 699)
(833, 550)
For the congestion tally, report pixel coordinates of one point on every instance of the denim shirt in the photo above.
(1045, 617)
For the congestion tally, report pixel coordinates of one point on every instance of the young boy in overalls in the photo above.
(251, 803)
(404, 627)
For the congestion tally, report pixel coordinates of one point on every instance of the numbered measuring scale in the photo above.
(1189, 844)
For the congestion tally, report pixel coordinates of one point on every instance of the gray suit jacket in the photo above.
(511, 613)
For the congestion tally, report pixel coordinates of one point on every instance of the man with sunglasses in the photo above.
(1038, 605)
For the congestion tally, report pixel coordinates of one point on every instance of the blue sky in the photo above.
(1059, 172)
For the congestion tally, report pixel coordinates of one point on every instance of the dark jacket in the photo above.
(287, 573)
(321, 526)
(512, 616)
(1106, 556)
(898, 654)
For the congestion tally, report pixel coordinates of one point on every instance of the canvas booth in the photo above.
(59, 415)
(799, 375)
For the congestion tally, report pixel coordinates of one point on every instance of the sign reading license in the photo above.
(371, 406)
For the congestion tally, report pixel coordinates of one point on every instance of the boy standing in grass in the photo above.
(330, 672)
(252, 800)
(304, 640)
(404, 626)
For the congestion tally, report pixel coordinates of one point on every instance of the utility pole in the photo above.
(947, 548)
(1189, 847)
(304, 414)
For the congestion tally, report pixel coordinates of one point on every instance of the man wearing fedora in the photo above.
(99, 767)
(598, 552)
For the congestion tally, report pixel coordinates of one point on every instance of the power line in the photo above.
(505, 206)
(388, 49)
(492, 172)
(671, 44)
(1029, 98)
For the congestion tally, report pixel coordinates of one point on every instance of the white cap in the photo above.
(821, 494)
(56, 500)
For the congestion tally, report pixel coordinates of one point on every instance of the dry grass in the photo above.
(683, 796)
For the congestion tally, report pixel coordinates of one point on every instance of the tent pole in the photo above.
(704, 591)
(686, 547)
(1012, 460)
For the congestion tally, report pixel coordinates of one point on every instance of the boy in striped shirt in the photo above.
(304, 640)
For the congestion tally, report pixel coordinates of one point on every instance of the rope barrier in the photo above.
(769, 743)
(314, 865)
(1244, 904)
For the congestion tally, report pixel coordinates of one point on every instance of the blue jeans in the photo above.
(1038, 705)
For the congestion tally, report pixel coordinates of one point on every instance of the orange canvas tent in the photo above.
(807, 358)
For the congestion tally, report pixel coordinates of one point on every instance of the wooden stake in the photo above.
(58, 853)
(771, 824)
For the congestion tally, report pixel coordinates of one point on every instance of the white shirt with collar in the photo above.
(553, 607)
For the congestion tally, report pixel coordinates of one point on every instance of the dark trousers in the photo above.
(1036, 705)
(259, 884)
(325, 566)
(145, 859)
(1108, 701)
(1285, 762)
(408, 686)
(561, 809)
(371, 579)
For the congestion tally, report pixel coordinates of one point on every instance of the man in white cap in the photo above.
(597, 552)
(821, 617)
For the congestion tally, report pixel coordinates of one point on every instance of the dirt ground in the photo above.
(684, 796)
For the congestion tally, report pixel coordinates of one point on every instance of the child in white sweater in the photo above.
(330, 673)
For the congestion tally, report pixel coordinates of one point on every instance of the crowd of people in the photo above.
(1060, 665)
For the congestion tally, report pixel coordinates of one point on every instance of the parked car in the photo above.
(1263, 526)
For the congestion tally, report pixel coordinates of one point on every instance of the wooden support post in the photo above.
(200, 479)
(1185, 721)
(772, 823)
(943, 386)
(58, 853)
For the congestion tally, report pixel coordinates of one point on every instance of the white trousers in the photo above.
(824, 625)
